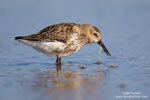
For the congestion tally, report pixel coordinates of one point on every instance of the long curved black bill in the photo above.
(104, 47)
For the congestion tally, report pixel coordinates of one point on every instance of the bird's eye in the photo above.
(95, 35)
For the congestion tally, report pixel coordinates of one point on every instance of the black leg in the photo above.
(58, 63)
(58, 60)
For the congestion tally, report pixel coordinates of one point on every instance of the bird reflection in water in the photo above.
(58, 67)
(68, 83)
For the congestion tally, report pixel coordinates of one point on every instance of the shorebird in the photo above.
(63, 39)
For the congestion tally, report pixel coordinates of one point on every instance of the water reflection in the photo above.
(58, 67)
(67, 83)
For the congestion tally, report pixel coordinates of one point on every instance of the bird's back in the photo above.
(58, 32)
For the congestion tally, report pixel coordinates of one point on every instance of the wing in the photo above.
(58, 32)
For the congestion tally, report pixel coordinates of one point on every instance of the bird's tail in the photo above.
(19, 37)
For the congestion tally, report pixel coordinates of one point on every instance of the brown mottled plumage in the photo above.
(63, 39)
(58, 32)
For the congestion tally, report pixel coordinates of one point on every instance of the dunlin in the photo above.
(63, 39)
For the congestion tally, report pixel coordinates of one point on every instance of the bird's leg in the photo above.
(58, 63)
(58, 60)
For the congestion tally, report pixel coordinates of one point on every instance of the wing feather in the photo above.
(58, 32)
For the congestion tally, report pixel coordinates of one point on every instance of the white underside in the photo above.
(53, 49)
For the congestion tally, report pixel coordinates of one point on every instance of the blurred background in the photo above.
(26, 74)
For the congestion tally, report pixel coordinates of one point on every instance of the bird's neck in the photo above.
(83, 39)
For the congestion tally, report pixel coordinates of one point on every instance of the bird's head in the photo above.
(94, 36)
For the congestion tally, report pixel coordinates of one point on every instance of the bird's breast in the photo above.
(72, 45)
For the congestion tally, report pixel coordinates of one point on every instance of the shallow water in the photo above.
(26, 74)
